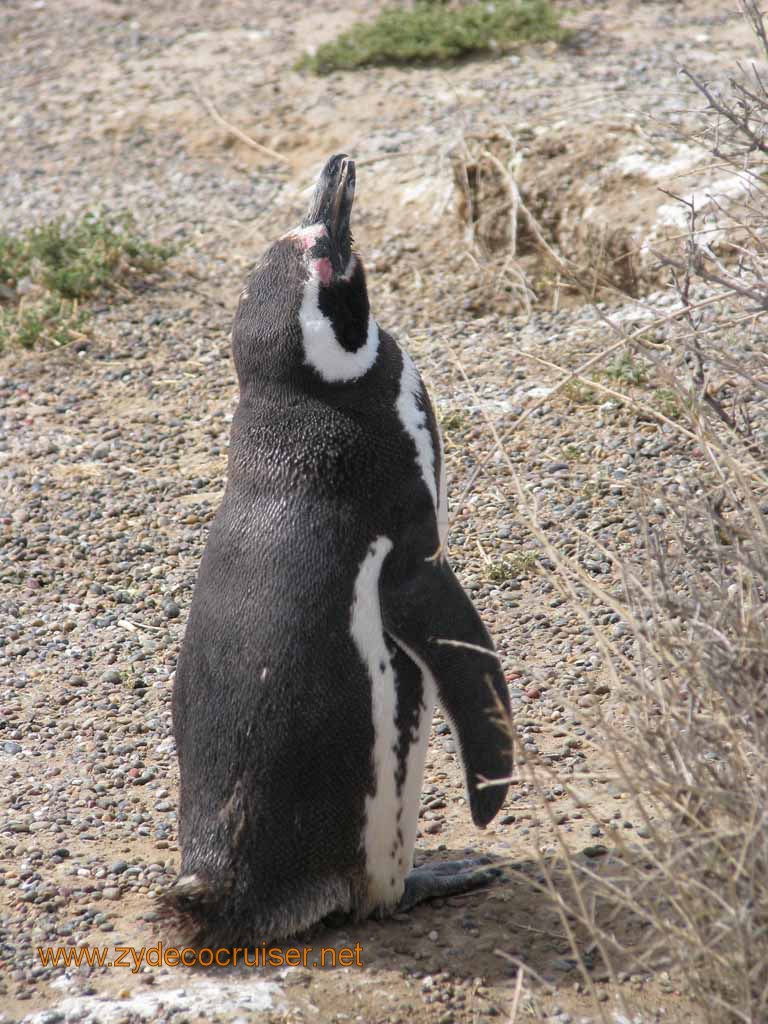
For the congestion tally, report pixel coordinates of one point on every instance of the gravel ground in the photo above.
(113, 457)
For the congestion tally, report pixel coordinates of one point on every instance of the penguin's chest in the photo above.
(402, 704)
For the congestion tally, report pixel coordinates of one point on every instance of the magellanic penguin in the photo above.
(325, 621)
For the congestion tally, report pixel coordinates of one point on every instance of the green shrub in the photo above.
(512, 566)
(48, 270)
(434, 33)
(50, 318)
(626, 369)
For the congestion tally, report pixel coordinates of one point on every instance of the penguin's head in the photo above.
(305, 307)
(325, 232)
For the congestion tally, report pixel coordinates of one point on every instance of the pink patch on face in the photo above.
(324, 270)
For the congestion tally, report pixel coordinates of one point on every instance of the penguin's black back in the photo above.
(271, 706)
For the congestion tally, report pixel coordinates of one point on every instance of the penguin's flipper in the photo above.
(445, 878)
(428, 615)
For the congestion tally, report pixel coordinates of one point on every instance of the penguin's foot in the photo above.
(446, 878)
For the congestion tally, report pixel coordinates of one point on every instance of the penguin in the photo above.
(325, 622)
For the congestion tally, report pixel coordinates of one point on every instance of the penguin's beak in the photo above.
(331, 205)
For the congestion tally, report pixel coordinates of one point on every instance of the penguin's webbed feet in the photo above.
(446, 878)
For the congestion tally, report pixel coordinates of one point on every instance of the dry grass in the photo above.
(693, 760)
(522, 220)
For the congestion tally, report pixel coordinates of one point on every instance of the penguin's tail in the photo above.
(190, 889)
(195, 908)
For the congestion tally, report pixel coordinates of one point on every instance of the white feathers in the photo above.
(322, 350)
(414, 420)
(385, 880)
(307, 235)
(417, 753)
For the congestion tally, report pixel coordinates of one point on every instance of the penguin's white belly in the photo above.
(391, 815)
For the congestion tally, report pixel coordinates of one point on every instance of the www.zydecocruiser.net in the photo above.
(171, 956)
